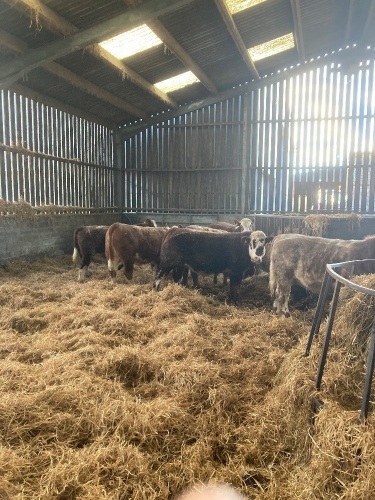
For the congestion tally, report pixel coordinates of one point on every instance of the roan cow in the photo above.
(129, 244)
(90, 240)
(303, 259)
(211, 253)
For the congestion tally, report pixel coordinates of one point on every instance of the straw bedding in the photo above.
(120, 392)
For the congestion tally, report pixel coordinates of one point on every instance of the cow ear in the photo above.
(269, 239)
(237, 222)
(245, 240)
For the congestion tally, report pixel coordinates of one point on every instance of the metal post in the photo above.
(369, 374)
(328, 334)
(326, 285)
(119, 172)
(245, 156)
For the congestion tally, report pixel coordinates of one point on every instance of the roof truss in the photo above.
(298, 33)
(18, 46)
(83, 38)
(234, 33)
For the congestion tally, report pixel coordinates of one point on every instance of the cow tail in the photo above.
(109, 254)
(272, 283)
(77, 255)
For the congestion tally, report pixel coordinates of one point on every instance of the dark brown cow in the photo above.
(90, 240)
(128, 244)
(211, 253)
(303, 259)
(244, 224)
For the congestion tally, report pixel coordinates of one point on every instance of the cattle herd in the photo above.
(235, 250)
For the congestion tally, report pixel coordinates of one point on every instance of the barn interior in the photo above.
(187, 112)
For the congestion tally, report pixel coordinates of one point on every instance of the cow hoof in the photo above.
(287, 314)
(157, 285)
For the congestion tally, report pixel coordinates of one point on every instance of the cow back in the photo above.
(226, 226)
(127, 240)
(305, 257)
(90, 239)
(205, 251)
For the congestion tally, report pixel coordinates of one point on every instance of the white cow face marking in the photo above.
(247, 224)
(257, 241)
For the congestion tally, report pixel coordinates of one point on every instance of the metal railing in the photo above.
(331, 277)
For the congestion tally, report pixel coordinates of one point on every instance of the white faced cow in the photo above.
(211, 253)
(303, 259)
(244, 224)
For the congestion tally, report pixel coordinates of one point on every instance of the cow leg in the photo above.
(280, 304)
(129, 268)
(161, 271)
(215, 279)
(76, 258)
(113, 265)
(86, 259)
(179, 275)
(234, 288)
(82, 274)
(194, 277)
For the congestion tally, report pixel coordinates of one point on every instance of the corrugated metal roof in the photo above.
(200, 37)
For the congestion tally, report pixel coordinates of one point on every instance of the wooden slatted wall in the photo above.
(49, 156)
(312, 142)
(304, 144)
(192, 163)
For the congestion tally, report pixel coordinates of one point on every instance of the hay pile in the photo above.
(317, 224)
(119, 392)
(23, 210)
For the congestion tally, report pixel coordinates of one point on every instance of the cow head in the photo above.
(244, 224)
(256, 241)
(149, 223)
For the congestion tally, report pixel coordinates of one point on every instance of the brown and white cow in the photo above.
(211, 253)
(303, 259)
(127, 244)
(90, 240)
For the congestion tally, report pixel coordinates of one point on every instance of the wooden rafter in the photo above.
(169, 41)
(11, 43)
(181, 54)
(349, 21)
(232, 28)
(34, 58)
(343, 57)
(57, 24)
(18, 46)
(369, 20)
(298, 33)
(92, 89)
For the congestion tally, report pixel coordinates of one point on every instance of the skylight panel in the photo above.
(177, 82)
(131, 42)
(272, 47)
(238, 5)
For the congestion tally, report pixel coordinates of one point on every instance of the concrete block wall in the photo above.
(45, 235)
